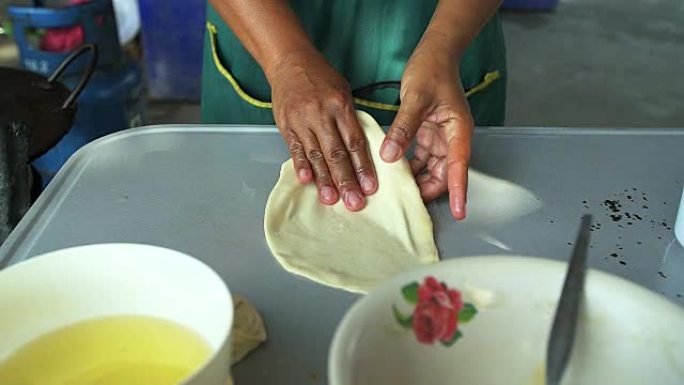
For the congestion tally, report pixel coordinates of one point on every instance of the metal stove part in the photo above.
(15, 196)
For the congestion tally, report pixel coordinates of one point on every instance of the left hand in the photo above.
(434, 110)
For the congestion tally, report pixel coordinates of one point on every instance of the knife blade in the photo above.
(564, 324)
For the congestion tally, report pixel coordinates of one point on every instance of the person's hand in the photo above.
(434, 110)
(314, 111)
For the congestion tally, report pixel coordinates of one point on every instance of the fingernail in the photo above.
(367, 184)
(304, 175)
(390, 151)
(328, 193)
(457, 208)
(354, 200)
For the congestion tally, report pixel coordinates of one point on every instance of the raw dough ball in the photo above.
(248, 329)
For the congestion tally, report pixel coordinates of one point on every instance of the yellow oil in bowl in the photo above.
(107, 351)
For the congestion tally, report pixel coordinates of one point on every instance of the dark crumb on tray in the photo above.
(613, 206)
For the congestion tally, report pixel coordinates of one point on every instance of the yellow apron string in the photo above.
(489, 78)
(255, 102)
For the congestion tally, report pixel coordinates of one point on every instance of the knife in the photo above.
(565, 321)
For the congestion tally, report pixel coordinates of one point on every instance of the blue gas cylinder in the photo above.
(112, 100)
(95, 18)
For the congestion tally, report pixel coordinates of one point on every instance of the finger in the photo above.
(423, 178)
(420, 159)
(326, 188)
(339, 164)
(433, 184)
(357, 147)
(433, 162)
(431, 188)
(411, 114)
(301, 163)
(458, 157)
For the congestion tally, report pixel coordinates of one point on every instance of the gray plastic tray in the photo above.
(202, 190)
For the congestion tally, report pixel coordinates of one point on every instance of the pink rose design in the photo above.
(435, 317)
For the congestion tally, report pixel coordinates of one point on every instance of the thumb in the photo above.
(410, 116)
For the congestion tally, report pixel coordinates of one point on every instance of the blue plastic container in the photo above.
(529, 5)
(172, 39)
(95, 17)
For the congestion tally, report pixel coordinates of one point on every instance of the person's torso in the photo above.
(366, 41)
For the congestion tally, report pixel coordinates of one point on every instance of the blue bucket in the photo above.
(173, 42)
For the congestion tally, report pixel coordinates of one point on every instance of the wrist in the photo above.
(437, 55)
(441, 46)
(296, 57)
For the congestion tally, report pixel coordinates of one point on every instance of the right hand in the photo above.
(314, 111)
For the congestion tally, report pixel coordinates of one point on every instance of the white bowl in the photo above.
(71, 285)
(626, 335)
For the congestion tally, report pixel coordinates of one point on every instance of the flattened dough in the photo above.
(351, 251)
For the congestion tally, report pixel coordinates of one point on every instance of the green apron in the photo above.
(368, 42)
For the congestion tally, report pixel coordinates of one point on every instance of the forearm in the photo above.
(268, 29)
(456, 23)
